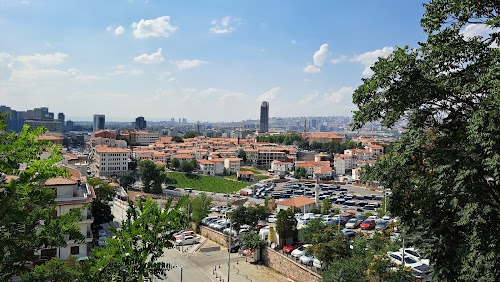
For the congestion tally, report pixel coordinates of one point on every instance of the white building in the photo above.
(281, 167)
(111, 161)
(207, 167)
(143, 137)
(71, 193)
(232, 164)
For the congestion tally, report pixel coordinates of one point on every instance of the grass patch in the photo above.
(205, 183)
(261, 177)
(255, 171)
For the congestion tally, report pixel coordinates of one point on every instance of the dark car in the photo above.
(235, 248)
(381, 225)
(368, 224)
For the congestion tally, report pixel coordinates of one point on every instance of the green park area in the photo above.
(204, 183)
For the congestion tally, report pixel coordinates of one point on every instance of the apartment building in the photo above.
(207, 167)
(71, 193)
(111, 161)
(143, 137)
(342, 163)
(310, 166)
(324, 137)
(281, 167)
(232, 164)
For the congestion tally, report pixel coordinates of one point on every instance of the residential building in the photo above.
(143, 137)
(71, 193)
(342, 163)
(244, 175)
(281, 167)
(305, 204)
(323, 172)
(324, 137)
(264, 117)
(310, 166)
(99, 122)
(232, 164)
(140, 123)
(207, 167)
(184, 157)
(111, 161)
(51, 124)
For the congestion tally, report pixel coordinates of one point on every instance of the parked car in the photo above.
(349, 233)
(188, 240)
(368, 224)
(289, 248)
(300, 251)
(422, 272)
(185, 233)
(215, 209)
(318, 264)
(307, 259)
(414, 254)
(397, 258)
(235, 248)
(272, 218)
(382, 225)
(353, 223)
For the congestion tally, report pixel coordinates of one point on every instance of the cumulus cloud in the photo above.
(311, 69)
(188, 64)
(119, 30)
(320, 55)
(269, 95)
(336, 96)
(223, 25)
(154, 58)
(481, 30)
(159, 27)
(37, 60)
(369, 58)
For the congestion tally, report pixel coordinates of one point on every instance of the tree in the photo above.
(55, 270)
(242, 155)
(187, 167)
(177, 139)
(314, 227)
(444, 170)
(286, 225)
(189, 134)
(99, 207)
(26, 219)
(132, 165)
(152, 176)
(248, 216)
(326, 206)
(126, 180)
(200, 206)
(176, 163)
(252, 240)
(300, 173)
(132, 254)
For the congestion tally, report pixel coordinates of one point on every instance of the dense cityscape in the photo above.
(226, 155)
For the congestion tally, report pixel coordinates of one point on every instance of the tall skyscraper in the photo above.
(264, 117)
(140, 123)
(61, 118)
(99, 122)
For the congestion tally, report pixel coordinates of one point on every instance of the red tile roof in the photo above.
(299, 201)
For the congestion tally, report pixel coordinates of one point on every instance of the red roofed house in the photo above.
(207, 167)
(324, 137)
(71, 193)
(244, 175)
(323, 172)
(303, 203)
(184, 157)
(232, 164)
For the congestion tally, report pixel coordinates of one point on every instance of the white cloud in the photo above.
(154, 58)
(311, 69)
(482, 30)
(37, 60)
(369, 58)
(124, 69)
(109, 28)
(320, 55)
(269, 95)
(338, 60)
(338, 96)
(159, 27)
(223, 25)
(188, 64)
(172, 79)
(119, 30)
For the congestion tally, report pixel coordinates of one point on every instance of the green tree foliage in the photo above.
(177, 139)
(126, 180)
(286, 225)
(99, 206)
(189, 134)
(133, 253)
(444, 171)
(314, 227)
(252, 240)
(243, 155)
(301, 172)
(287, 139)
(326, 206)
(152, 176)
(250, 216)
(132, 165)
(176, 163)
(26, 208)
(55, 270)
(200, 206)
(187, 167)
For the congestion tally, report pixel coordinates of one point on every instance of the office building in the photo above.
(99, 122)
(60, 118)
(52, 125)
(140, 123)
(264, 117)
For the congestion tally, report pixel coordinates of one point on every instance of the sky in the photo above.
(206, 60)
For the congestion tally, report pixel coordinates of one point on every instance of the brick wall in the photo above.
(287, 266)
(213, 235)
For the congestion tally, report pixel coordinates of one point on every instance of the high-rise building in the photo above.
(140, 123)
(264, 117)
(69, 125)
(99, 122)
(184, 120)
(61, 118)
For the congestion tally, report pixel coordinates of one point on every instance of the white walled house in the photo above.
(281, 167)
(111, 161)
(232, 164)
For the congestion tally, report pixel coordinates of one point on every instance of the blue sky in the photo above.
(202, 60)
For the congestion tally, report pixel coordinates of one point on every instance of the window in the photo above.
(75, 250)
(48, 253)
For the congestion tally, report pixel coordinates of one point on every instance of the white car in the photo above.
(300, 251)
(352, 224)
(272, 218)
(318, 264)
(215, 209)
(188, 240)
(411, 252)
(397, 258)
(307, 259)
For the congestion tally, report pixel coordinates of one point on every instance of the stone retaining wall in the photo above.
(213, 235)
(287, 266)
